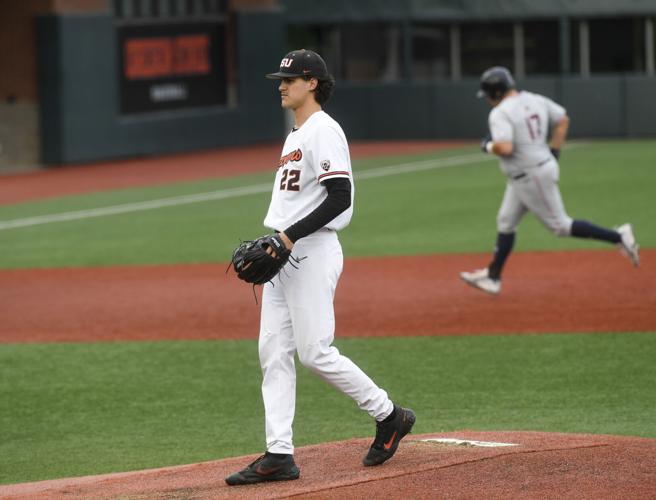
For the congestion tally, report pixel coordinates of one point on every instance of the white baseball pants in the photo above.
(297, 316)
(537, 192)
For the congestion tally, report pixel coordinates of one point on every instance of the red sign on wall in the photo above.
(160, 57)
(171, 66)
(191, 55)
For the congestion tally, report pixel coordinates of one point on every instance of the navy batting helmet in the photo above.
(495, 82)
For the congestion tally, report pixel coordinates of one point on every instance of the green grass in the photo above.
(77, 409)
(435, 211)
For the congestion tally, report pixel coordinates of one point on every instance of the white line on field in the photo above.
(401, 168)
(136, 207)
(226, 193)
(417, 166)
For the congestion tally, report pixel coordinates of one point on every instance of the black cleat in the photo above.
(266, 468)
(389, 435)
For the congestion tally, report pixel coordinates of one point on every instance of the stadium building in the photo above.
(90, 80)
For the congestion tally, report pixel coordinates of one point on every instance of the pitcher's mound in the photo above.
(464, 464)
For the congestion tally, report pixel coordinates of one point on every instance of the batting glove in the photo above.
(555, 152)
(486, 143)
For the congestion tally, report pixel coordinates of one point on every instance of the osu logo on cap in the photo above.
(286, 62)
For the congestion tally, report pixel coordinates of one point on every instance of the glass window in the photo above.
(485, 45)
(617, 45)
(541, 47)
(154, 9)
(652, 53)
(307, 37)
(325, 40)
(371, 52)
(574, 46)
(353, 52)
(430, 52)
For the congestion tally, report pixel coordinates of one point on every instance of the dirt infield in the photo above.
(538, 466)
(583, 291)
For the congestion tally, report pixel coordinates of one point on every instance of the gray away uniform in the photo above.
(525, 120)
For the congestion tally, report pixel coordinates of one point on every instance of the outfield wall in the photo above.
(81, 121)
(600, 106)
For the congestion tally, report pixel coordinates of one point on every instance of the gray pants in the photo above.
(536, 192)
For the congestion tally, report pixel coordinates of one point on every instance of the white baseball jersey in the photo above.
(525, 120)
(311, 154)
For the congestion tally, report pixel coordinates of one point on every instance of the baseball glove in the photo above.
(259, 261)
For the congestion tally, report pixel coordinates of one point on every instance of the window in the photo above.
(371, 52)
(325, 40)
(485, 45)
(617, 45)
(574, 46)
(541, 47)
(430, 52)
(650, 45)
(154, 9)
(353, 52)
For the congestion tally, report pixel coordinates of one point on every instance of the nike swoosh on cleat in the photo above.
(266, 471)
(388, 445)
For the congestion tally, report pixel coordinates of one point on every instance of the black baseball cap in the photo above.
(301, 62)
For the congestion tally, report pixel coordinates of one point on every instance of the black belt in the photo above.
(524, 174)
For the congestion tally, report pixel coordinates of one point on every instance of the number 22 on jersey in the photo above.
(290, 180)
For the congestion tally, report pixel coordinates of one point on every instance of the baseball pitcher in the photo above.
(311, 200)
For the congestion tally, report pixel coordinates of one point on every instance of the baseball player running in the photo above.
(312, 199)
(519, 124)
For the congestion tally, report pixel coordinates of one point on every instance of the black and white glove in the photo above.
(555, 152)
(259, 261)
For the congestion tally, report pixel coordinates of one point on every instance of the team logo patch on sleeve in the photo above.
(325, 164)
